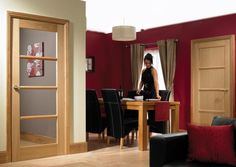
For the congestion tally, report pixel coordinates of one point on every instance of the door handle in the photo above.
(16, 87)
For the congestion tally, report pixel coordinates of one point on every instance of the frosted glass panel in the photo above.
(37, 102)
(38, 131)
(30, 38)
(47, 79)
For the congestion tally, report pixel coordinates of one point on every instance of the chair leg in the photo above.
(127, 139)
(99, 136)
(108, 140)
(121, 143)
(103, 135)
(136, 134)
(132, 137)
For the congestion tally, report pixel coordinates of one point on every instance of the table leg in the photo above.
(175, 119)
(142, 128)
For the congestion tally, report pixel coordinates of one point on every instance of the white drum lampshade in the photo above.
(123, 33)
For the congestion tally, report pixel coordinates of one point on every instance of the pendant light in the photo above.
(123, 32)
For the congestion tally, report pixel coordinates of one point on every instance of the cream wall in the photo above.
(72, 10)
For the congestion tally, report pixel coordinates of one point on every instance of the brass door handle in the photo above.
(16, 87)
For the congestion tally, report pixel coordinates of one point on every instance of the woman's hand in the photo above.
(138, 91)
(158, 97)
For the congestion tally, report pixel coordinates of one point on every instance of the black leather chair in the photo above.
(132, 93)
(165, 95)
(170, 150)
(158, 127)
(118, 126)
(95, 123)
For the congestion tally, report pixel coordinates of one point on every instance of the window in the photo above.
(157, 66)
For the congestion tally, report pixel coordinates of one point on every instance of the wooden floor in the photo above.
(99, 155)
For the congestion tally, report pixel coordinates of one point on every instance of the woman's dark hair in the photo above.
(149, 57)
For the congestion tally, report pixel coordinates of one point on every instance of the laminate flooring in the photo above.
(99, 155)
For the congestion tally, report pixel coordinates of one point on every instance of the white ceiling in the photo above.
(102, 15)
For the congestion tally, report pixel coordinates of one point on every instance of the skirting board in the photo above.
(3, 157)
(78, 147)
(74, 148)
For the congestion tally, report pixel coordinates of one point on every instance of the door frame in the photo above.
(17, 15)
(232, 69)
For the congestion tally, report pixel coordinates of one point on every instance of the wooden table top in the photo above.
(138, 103)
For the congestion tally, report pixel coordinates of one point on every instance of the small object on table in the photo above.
(127, 99)
(153, 99)
(138, 98)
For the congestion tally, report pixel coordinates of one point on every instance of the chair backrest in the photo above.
(132, 93)
(93, 114)
(162, 111)
(165, 95)
(114, 112)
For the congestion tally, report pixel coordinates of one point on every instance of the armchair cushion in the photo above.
(193, 164)
(171, 150)
(212, 144)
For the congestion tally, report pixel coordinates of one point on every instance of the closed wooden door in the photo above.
(38, 89)
(212, 82)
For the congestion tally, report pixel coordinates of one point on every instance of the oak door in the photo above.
(38, 89)
(212, 73)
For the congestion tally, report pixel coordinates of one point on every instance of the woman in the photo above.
(149, 80)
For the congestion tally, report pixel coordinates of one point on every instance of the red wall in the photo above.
(108, 60)
(117, 56)
(96, 46)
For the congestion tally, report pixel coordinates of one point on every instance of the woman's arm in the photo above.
(156, 84)
(140, 85)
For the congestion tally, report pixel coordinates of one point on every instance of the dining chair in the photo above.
(95, 122)
(132, 93)
(118, 126)
(155, 125)
(165, 95)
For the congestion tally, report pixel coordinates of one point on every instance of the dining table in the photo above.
(142, 107)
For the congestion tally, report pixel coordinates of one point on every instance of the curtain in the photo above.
(167, 50)
(162, 51)
(137, 52)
